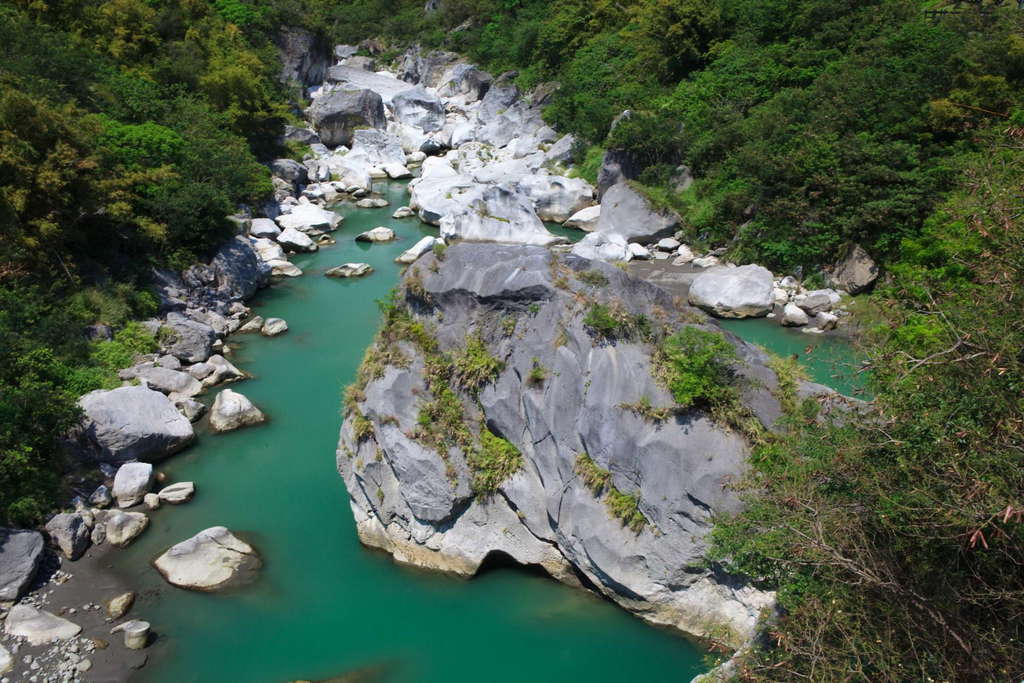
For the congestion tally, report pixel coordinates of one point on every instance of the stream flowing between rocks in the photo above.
(324, 607)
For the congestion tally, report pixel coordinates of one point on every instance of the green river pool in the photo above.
(324, 607)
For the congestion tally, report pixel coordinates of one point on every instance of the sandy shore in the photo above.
(78, 591)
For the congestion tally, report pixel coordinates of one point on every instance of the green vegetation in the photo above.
(646, 410)
(362, 427)
(594, 278)
(129, 130)
(538, 373)
(695, 365)
(474, 366)
(789, 374)
(593, 475)
(600, 319)
(896, 539)
(494, 461)
(624, 507)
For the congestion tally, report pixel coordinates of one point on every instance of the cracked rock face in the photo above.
(528, 306)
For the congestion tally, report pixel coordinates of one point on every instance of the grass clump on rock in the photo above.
(494, 461)
(595, 278)
(474, 366)
(645, 409)
(625, 507)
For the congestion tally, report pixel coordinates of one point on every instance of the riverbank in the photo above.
(463, 191)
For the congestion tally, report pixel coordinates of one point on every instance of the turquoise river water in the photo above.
(325, 607)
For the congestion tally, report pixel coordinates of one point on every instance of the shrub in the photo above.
(600, 319)
(474, 366)
(695, 366)
(538, 373)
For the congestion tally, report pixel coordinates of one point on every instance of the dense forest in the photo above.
(131, 128)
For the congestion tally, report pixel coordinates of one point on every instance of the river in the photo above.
(324, 606)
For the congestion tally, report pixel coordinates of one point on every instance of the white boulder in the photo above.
(497, 214)
(794, 316)
(585, 219)
(212, 559)
(293, 240)
(378, 234)
(419, 249)
(350, 270)
(746, 291)
(556, 198)
(178, 493)
(123, 527)
(264, 228)
(602, 246)
(232, 410)
(38, 626)
(309, 217)
(132, 482)
(273, 327)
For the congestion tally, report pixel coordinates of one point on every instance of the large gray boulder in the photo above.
(211, 560)
(413, 495)
(21, 550)
(131, 423)
(290, 170)
(497, 213)
(501, 95)
(743, 292)
(166, 381)
(465, 80)
(234, 274)
(627, 213)
(186, 339)
(417, 107)
(336, 115)
(70, 532)
(304, 57)
(855, 271)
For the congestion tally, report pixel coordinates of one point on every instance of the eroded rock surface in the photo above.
(563, 390)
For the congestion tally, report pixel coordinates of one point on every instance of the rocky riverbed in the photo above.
(488, 173)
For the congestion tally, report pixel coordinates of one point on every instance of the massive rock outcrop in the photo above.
(500, 412)
(627, 213)
(338, 114)
(304, 57)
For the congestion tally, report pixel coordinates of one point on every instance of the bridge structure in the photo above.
(983, 7)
